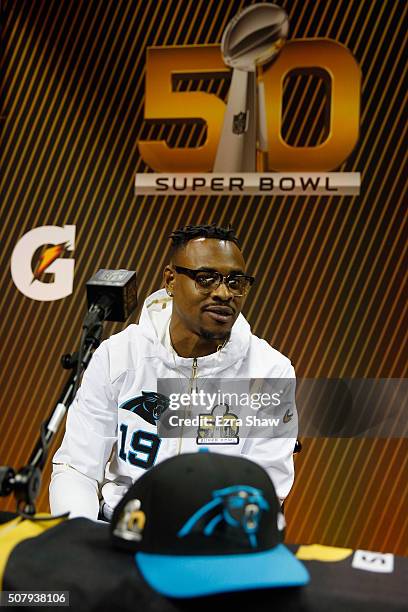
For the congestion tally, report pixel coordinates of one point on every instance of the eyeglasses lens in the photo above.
(207, 281)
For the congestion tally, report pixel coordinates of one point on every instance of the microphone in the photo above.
(112, 296)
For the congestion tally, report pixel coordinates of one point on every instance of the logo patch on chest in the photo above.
(150, 406)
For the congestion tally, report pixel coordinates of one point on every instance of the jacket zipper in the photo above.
(193, 379)
(194, 370)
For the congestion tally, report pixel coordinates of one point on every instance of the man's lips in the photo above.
(221, 314)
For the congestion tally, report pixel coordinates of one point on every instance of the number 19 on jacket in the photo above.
(143, 448)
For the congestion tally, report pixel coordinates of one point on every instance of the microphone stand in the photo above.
(26, 483)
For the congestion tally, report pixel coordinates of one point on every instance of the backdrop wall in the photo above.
(330, 270)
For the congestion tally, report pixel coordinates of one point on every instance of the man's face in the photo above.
(210, 315)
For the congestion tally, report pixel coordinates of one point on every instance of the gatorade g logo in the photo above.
(29, 262)
(325, 58)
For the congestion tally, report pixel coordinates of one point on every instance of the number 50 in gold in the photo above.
(327, 58)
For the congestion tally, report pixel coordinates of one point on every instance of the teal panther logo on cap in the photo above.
(239, 506)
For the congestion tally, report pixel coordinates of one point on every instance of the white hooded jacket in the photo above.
(107, 446)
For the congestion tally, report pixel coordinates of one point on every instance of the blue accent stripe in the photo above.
(253, 541)
(196, 517)
(212, 524)
(235, 488)
(230, 520)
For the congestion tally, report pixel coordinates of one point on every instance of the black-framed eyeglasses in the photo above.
(209, 280)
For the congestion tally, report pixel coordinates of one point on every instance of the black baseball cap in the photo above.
(206, 523)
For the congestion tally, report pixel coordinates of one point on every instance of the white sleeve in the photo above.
(275, 452)
(91, 429)
(71, 491)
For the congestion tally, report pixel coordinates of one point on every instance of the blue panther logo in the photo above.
(150, 406)
(239, 506)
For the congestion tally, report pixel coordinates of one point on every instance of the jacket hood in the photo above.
(155, 315)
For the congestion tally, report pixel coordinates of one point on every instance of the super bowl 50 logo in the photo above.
(244, 150)
(219, 427)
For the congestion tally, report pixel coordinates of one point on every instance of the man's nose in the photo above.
(223, 292)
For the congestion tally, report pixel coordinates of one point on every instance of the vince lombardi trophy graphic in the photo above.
(252, 38)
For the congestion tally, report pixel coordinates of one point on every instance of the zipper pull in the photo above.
(195, 367)
(194, 370)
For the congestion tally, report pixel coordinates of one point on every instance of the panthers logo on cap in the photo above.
(240, 507)
(150, 406)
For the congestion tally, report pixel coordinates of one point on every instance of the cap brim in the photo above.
(195, 576)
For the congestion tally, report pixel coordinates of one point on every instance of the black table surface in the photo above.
(78, 556)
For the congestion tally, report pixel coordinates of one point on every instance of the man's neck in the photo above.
(188, 344)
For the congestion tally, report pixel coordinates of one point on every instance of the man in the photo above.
(191, 330)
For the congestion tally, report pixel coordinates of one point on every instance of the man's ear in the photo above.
(168, 280)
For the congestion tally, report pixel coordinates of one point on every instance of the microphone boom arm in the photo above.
(26, 483)
(112, 296)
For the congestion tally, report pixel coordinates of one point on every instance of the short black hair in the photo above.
(181, 236)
